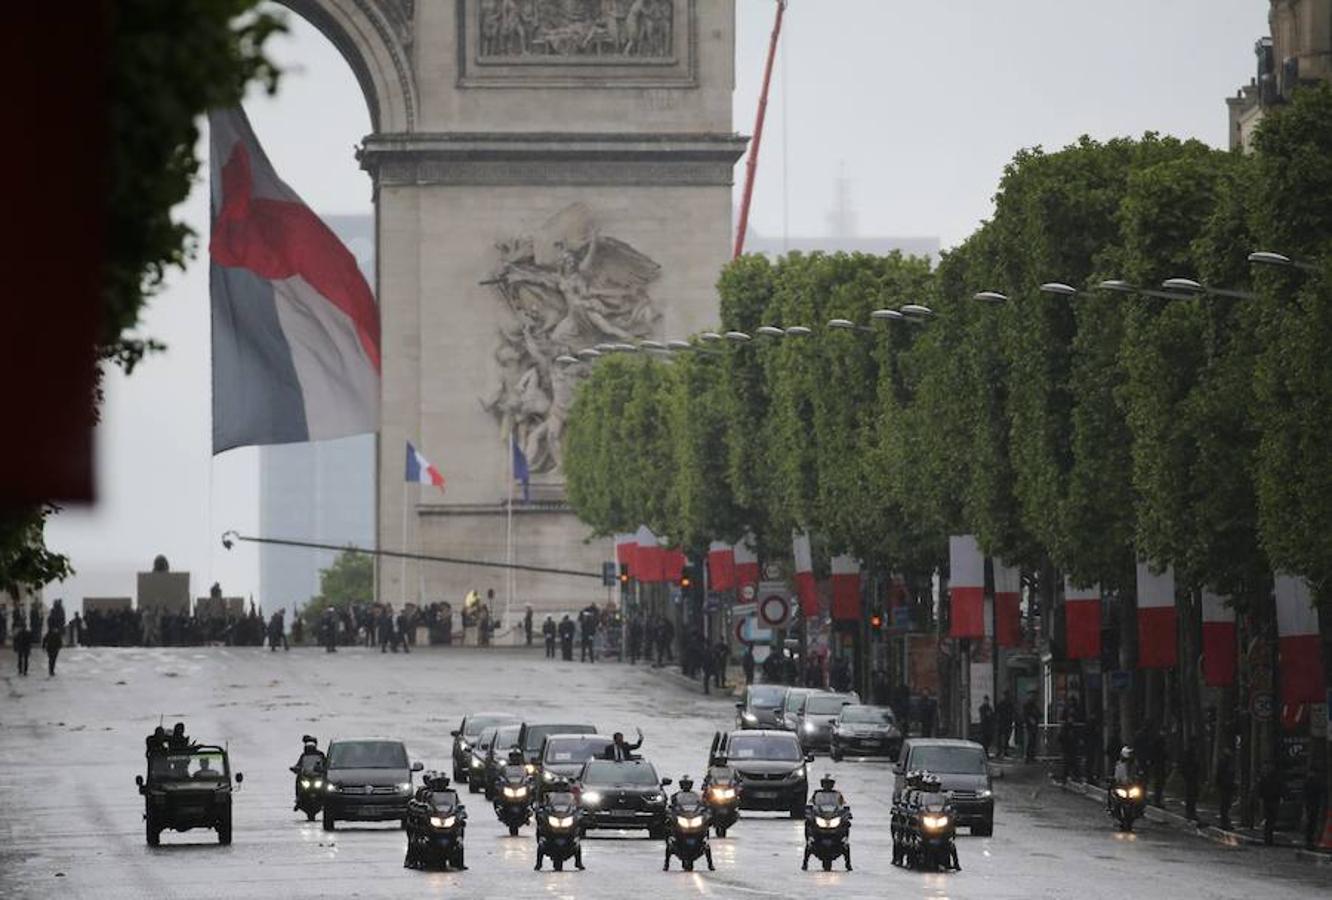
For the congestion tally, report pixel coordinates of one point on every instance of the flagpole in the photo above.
(508, 540)
(402, 572)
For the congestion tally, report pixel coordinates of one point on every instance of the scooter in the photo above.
(687, 825)
(721, 791)
(513, 799)
(1127, 803)
(827, 834)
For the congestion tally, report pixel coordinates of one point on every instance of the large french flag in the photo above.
(649, 565)
(845, 588)
(966, 587)
(804, 574)
(420, 470)
(626, 546)
(295, 326)
(721, 566)
(746, 561)
(1157, 619)
(1218, 640)
(1301, 666)
(1007, 605)
(1082, 621)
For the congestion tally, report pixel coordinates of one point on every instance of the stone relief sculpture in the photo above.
(566, 287)
(634, 29)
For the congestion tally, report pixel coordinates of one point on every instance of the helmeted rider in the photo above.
(1124, 772)
(682, 798)
(929, 790)
(825, 795)
(310, 760)
(557, 793)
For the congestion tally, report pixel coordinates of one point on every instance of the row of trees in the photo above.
(1073, 434)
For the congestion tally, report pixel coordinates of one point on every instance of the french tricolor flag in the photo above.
(804, 574)
(845, 588)
(295, 326)
(1082, 621)
(966, 587)
(746, 561)
(1218, 640)
(1301, 666)
(420, 471)
(721, 566)
(1157, 619)
(1007, 605)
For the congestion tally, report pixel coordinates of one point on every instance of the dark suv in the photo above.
(622, 795)
(964, 775)
(761, 706)
(367, 781)
(533, 737)
(770, 769)
(188, 788)
(814, 726)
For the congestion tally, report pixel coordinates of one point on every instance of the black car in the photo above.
(367, 781)
(466, 735)
(189, 788)
(964, 776)
(814, 726)
(532, 737)
(793, 706)
(563, 756)
(497, 757)
(865, 731)
(476, 765)
(761, 706)
(622, 795)
(770, 767)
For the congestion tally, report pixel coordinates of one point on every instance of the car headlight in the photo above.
(723, 793)
(933, 822)
(547, 776)
(591, 798)
(808, 726)
(463, 746)
(515, 792)
(442, 822)
(560, 821)
(332, 788)
(1135, 792)
(654, 798)
(404, 787)
(983, 793)
(477, 762)
(305, 782)
(749, 717)
(831, 822)
(689, 821)
(530, 768)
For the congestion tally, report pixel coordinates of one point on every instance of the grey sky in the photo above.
(919, 103)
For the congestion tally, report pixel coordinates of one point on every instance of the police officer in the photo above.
(311, 759)
(685, 797)
(556, 794)
(54, 640)
(828, 793)
(1270, 792)
(566, 631)
(157, 742)
(587, 631)
(548, 632)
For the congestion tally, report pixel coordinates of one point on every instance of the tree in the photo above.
(350, 579)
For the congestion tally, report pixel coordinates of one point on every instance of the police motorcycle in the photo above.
(924, 829)
(721, 790)
(1127, 798)
(436, 822)
(687, 820)
(513, 793)
(309, 772)
(558, 831)
(827, 826)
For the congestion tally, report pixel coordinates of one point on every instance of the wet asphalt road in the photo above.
(71, 826)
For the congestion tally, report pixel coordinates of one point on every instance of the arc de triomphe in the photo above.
(548, 175)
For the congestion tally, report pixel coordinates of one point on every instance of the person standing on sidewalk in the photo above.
(747, 664)
(722, 655)
(22, 645)
(548, 632)
(527, 624)
(52, 643)
(1270, 791)
(986, 724)
(1224, 782)
(635, 636)
(1315, 789)
(1003, 721)
(1031, 725)
(1189, 770)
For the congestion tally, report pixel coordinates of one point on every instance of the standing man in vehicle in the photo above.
(620, 751)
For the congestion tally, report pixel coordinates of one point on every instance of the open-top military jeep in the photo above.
(188, 788)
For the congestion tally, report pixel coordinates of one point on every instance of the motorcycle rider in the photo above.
(311, 759)
(828, 793)
(685, 797)
(1125, 774)
(557, 794)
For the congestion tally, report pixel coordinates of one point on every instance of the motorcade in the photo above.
(687, 822)
(514, 795)
(793, 705)
(1128, 802)
(497, 757)
(622, 795)
(476, 765)
(814, 724)
(367, 781)
(923, 825)
(964, 773)
(827, 828)
(533, 736)
(563, 756)
(721, 792)
(771, 768)
(559, 831)
(761, 706)
(466, 734)
(187, 788)
(865, 731)
(436, 826)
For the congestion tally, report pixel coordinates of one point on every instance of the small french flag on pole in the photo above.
(419, 469)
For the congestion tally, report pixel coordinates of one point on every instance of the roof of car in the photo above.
(760, 732)
(942, 742)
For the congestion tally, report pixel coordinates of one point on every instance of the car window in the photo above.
(944, 760)
(485, 739)
(795, 701)
(820, 705)
(766, 696)
(574, 750)
(201, 766)
(867, 715)
(764, 747)
(537, 733)
(474, 725)
(367, 755)
(602, 772)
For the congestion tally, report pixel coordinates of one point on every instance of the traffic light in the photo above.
(876, 621)
(624, 575)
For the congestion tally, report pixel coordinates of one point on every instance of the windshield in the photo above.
(867, 715)
(767, 696)
(537, 733)
(769, 747)
(820, 705)
(620, 773)
(367, 755)
(574, 750)
(795, 701)
(485, 739)
(948, 760)
(201, 766)
(439, 799)
(474, 725)
(505, 738)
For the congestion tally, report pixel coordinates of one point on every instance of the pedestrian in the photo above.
(1190, 770)
(1068, 745)
(587, 633)
(51, 644)
(75, 631)
(1031, 725)
(635, 637)
(1270, 793)
(548, 632)
(527, 624)
(386, 630)
(665, 640)
(841, 675)
(702, 654)
(1224, 782)
(566, 631)
(722, 652)
(22, 646)
(879, 686)
(986, 723)
(1315, 791)
(404, 628)
(747, 664)
(929, 713)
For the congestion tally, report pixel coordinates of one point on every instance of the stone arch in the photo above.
(375, 37)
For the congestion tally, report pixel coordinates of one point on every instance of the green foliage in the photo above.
(350, 579)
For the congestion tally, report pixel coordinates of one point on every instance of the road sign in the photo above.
(771, 571)
(747, 592)
(1262, 706)
(610, 574)
(774, 605)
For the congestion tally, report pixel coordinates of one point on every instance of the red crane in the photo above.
(751, 165)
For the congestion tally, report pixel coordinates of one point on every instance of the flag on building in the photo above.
(746, 561)
(966, 587)
(1218, 641)
(419, 469)
(295, 326)
(1157, 619)
(521, 473)
(1082, 621)
(845, 588)
(1301, 666)
(806, 589)
(1007, 605)
(721, 566)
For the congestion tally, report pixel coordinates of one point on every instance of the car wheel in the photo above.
(473, 788)
(152, 832)
(559, 865)
(721, 831)
(328, 821)
(513, 831)
(687, 865)
(657, 832)
(827, 865)
(224, 831)
(309, 815)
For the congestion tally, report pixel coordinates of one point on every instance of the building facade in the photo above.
(1298, 51)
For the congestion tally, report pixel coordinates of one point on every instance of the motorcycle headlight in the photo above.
(808, 726)
(464, 746)
(723, 793)
(1135, 792)
(591, 798)
(530, 768)
(305, 782)
(560, 821)
(442, 821)
(1121, 792)
(404, 787)
(547, 776)
(515, 792)
(934, 823)
(831, 822)
(689, 821)
(319, 782)
(749, 717)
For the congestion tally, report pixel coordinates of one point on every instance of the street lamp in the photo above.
(588, 355)
(651, 345)
(1119, 286)
(738, 337)
(798, 331)
(842, 324)
(566, 360)
(1058, 289)
(990, 297)
(679, 345)
(917, 313)
(886, 315)
(711, 337)
(1187, 287)
(1280, 260)
(770, 331)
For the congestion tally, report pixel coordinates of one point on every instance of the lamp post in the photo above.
(1280, 261)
